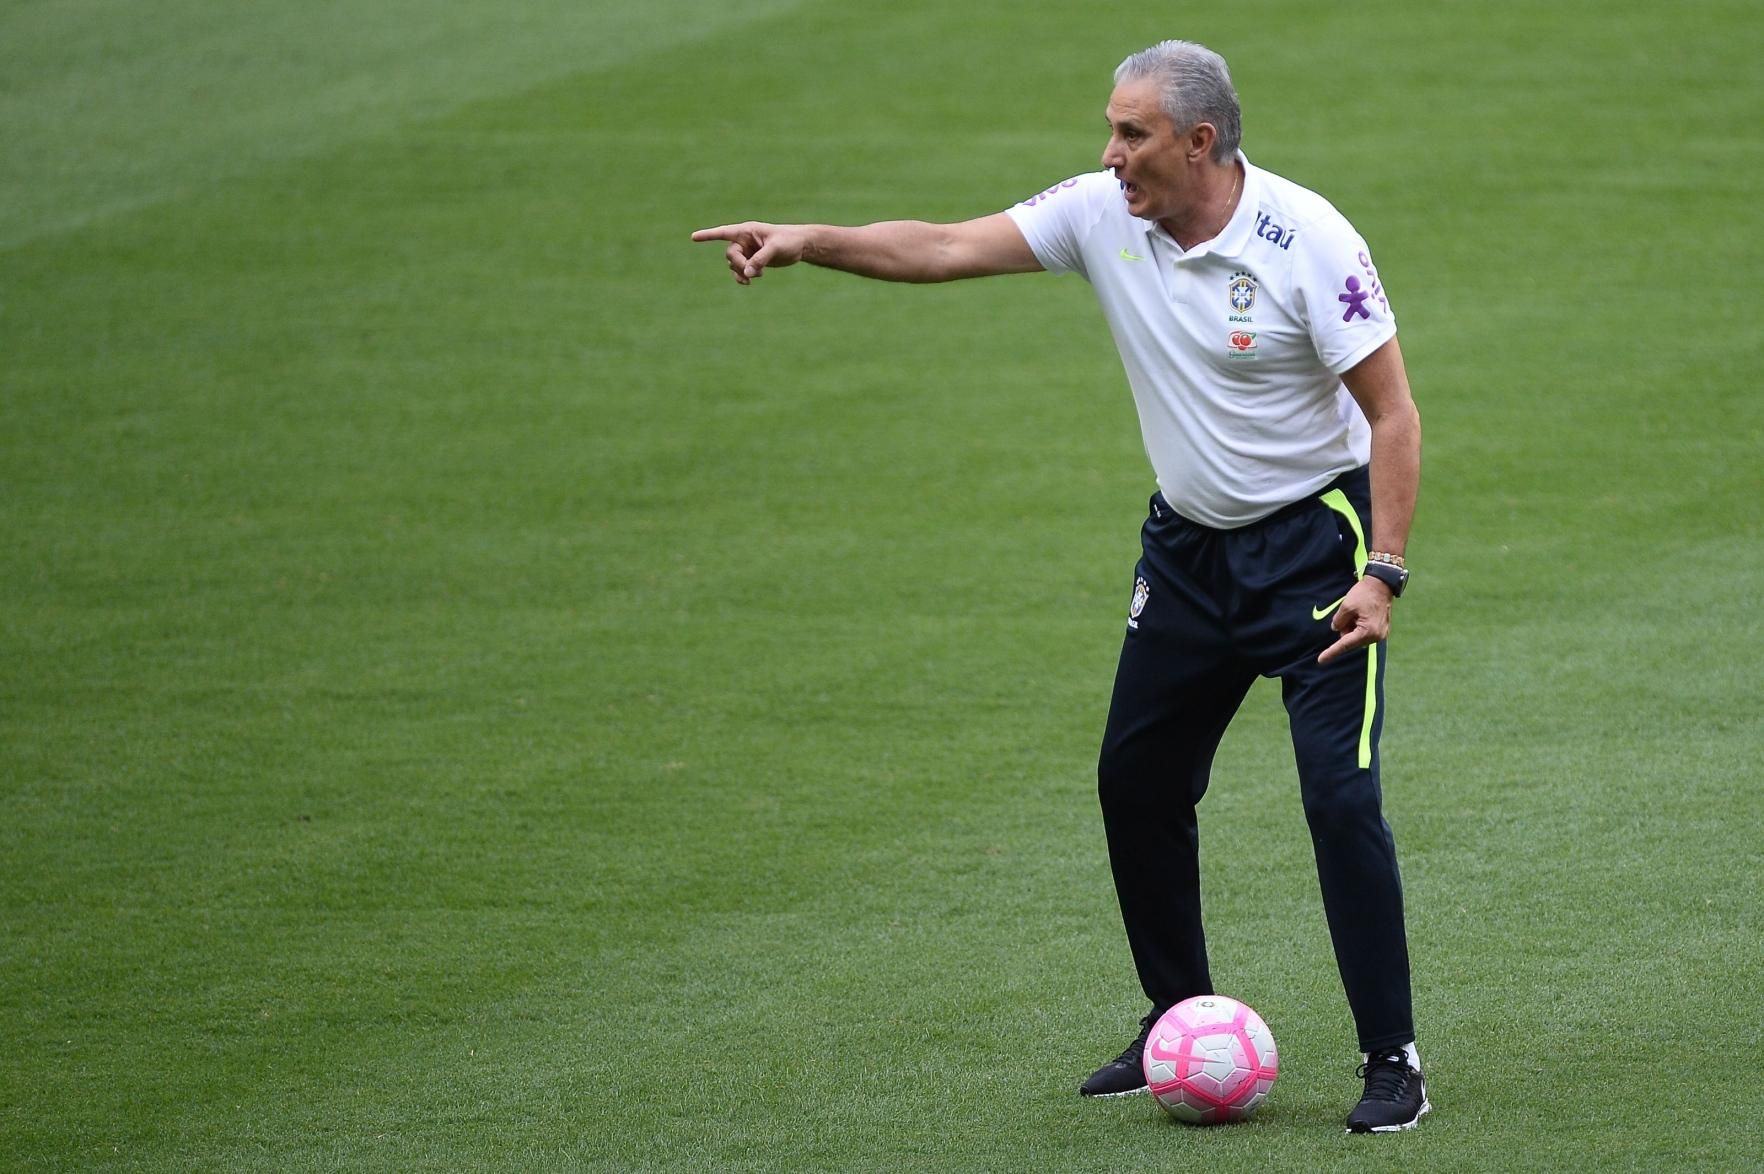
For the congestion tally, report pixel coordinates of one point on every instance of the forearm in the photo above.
(1380, 385)
(1396, 476)
(892, 250)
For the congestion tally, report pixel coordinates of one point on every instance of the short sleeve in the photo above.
(1052, 222)
(1343, 302)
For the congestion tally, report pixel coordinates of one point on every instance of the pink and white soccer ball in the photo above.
(1210, 1060)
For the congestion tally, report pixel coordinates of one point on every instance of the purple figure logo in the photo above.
(1355, 300)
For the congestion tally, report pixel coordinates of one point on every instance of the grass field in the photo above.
(480, 690)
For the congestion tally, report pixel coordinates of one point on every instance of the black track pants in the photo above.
(1211, 610)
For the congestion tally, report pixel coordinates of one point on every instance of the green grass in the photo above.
(477, 689)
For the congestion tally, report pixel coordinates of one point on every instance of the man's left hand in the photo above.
(1363, 618)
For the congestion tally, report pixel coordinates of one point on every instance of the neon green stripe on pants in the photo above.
(1336, 500)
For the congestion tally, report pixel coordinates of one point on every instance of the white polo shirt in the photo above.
(1235, 348)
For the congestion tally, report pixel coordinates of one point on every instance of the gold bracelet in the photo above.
(1379, 556)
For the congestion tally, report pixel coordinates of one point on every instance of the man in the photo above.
(1275, 408)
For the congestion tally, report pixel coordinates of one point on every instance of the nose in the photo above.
(1111, 156)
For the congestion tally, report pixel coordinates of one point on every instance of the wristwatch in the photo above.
(1394, 577)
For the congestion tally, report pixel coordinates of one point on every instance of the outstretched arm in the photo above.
(893, 250)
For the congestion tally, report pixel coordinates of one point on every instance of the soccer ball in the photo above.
(1210, 1060)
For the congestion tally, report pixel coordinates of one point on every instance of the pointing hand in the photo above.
(755, 246)
(1363, 618)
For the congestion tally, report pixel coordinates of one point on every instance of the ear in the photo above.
(1199, 142)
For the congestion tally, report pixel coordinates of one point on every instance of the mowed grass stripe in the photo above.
(110, 106)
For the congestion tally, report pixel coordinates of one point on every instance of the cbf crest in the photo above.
(1243, 294)
(1141, 593)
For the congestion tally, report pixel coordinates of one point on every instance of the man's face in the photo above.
(1146, 151)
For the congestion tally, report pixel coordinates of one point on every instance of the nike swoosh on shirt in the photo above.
(1318, 613)
(1126, 256)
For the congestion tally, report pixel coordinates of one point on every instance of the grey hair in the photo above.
(1196, 87)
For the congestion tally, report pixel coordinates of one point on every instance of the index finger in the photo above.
(1351, 639)
(722, 232)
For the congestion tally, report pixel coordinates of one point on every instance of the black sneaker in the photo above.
(1396, 1095)
(1123, 1075)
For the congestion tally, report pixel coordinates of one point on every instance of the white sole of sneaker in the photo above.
(1426, 1107)
(1110, 1096)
